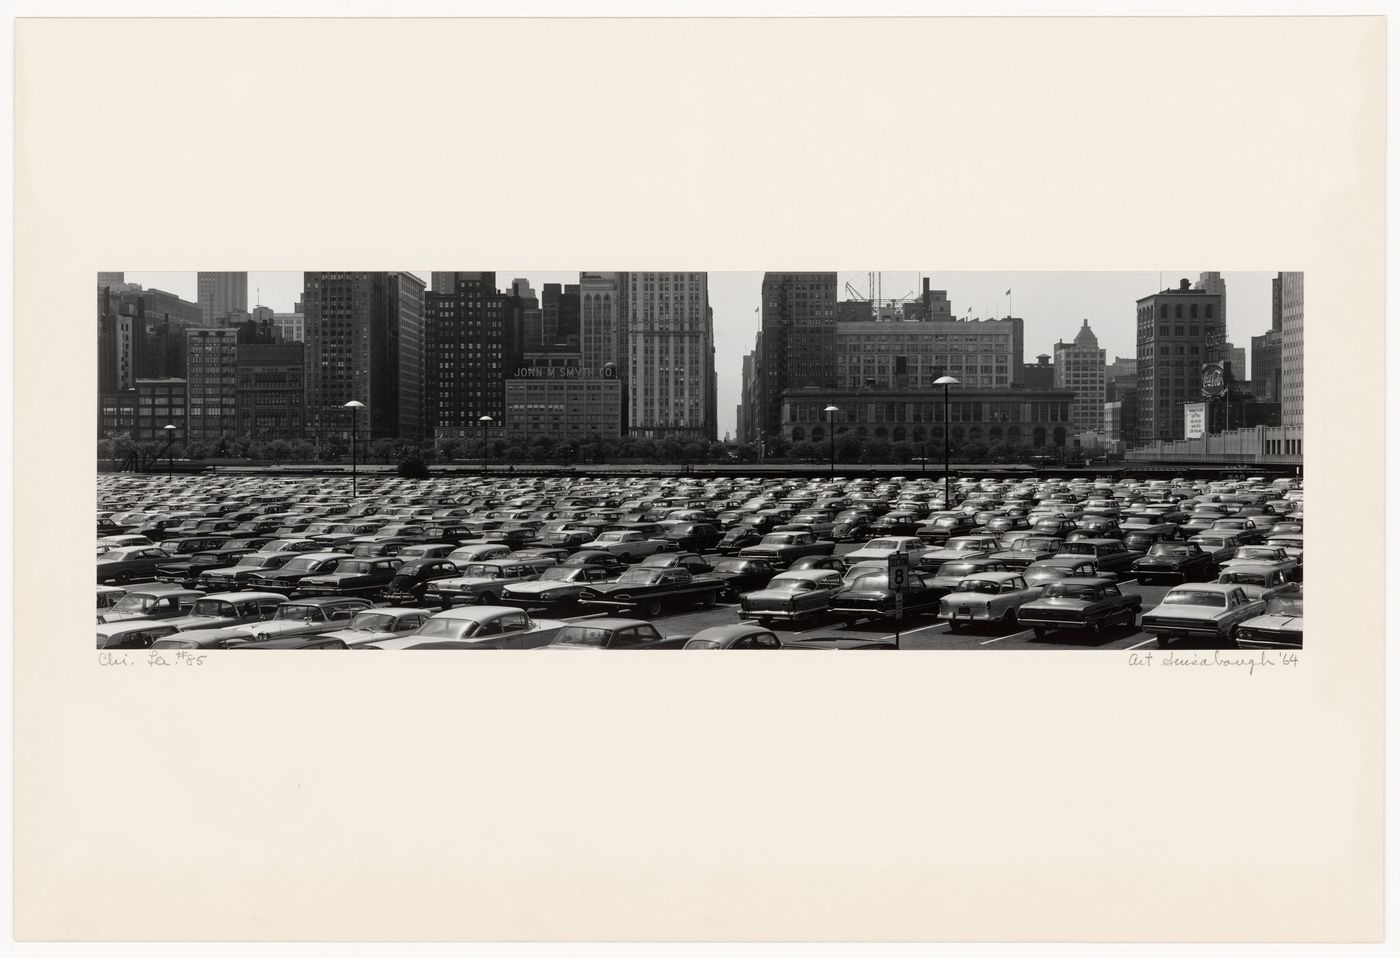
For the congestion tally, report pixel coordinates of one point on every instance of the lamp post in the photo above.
(354, 406)
(485, 450)
(170, 452)
(831, 412)
(945, 382)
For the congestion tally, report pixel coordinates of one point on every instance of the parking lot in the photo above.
(456, 533)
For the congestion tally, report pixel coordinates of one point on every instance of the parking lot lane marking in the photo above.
(904, 632)
(1013, 635)
(1140, 644)
(580, 618)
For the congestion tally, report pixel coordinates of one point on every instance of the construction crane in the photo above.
(874, 295)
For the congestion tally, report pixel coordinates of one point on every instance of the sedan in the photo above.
(486, 627)
(378, 624)
(742, 636)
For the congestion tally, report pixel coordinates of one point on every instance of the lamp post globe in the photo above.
(170, 451)
(831, 412)
(354, 406)
(945, 382)
(485, 451)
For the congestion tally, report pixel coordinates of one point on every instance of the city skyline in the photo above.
(1054, 306)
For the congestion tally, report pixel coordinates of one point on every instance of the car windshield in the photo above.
(561, 574)
(639, 577)
(372, 622)
(298, 613)
(1032, 544)
(479, 571)
(355, 566)
(1070, 590)
(447, 628)
(978, 585)
(1245, 578)
(302, 564)
(1285, 605)
(736, 565)
(582, 635)
(790, 585)
(174, 643)
(1289, 543)
(1168, 549)
(135, 603)
(946, 522)
(1194, 597)
(1256, 552)
(216, 607)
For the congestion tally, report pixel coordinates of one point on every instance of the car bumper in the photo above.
(1268, 639)
(1181, 630)
(966, 613)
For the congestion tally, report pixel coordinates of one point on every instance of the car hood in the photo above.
(272, 630)
(1057, 602)
(1188, 612)
(186, 623)
(467, 581)
(351, 635)
(1276, 623)
(109, 617)
(771, 594)
(537, 585)
(332, 578)
(868, 595)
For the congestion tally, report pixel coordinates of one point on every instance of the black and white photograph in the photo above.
(691, 460)
(652, 329)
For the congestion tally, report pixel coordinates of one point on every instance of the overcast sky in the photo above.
(1054, 305)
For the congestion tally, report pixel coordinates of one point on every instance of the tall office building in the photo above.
(1266, 366)
(1291, 309)
(559, 315)
(221, 294)
(211, 366)
(1276, 314)
(364, 343)
(271, 388)
(669, 355)
(110, 279)
(1214, 284)
(600, 319)
(798, 332)
(1080, 366)
(469, 351)
(912, 355)
(1178, 331)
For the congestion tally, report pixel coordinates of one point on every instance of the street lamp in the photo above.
(485, 451)
(170, 450)
(831, 412)
(945, 382)
(354, 406)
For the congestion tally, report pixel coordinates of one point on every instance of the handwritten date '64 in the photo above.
(167, 659)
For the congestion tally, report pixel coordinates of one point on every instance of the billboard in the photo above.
(1195, 419)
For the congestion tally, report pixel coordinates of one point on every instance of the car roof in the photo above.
(730, 631)
(320, 600)
(243, 596)
(110, 629)
(1250, 566)
(607, 623)
(1206, 587)
(994, 576)
(327, 555)
(473, 613)
(1090, 580)
(811, 574)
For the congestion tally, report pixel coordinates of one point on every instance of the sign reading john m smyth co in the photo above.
(608, 371)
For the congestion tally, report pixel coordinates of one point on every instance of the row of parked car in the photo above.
(999, 552)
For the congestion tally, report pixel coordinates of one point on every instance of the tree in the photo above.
(278, 450)
(903, 451)
(451, 449)
(305, 451)
(413, 468)
(381, 449)
(693, 452)
(746, 452)
(877, 450)
(848, 447)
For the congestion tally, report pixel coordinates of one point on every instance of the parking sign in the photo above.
(899, 572)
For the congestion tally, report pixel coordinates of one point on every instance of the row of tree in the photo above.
(544, 450)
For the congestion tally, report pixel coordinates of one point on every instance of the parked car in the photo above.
(286, 579)
(735, 539)
(629, 545)
(886, 546)
(689, 561)
(741, 636)
(1220, 546)
(136, 634)
(366, 577)
(1207, 611)
(108, 596)
(782, 548)
(988, 597)
(1028, 549)
(302, 642)
(480, 627)
(301, 617)
(871, 597)
(155, 601)
(412, 580)
(1083, 604)
(224, 638)
(648, 590)
(1111, 554)
(1183, 561)
(226, 609)
(694, 536)
(1268, 554)
(1279, 626)
(1260, 580)
(1065, 567)
(484, 582)
(598, 558)
(976, 546)
(612, 633)
(236, 576)
(555, 588)
(743, 575)
(792, 596)
(129, 564)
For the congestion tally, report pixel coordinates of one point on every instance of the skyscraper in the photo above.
(1178, 331)
(469, 351)
(600, 319)
(363, 342)
(1080, 366)
(221, 294)
(1291, 308)
(212, 374)
(559, 314)
(669, 354)
(798, 331)
(1214, 284)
